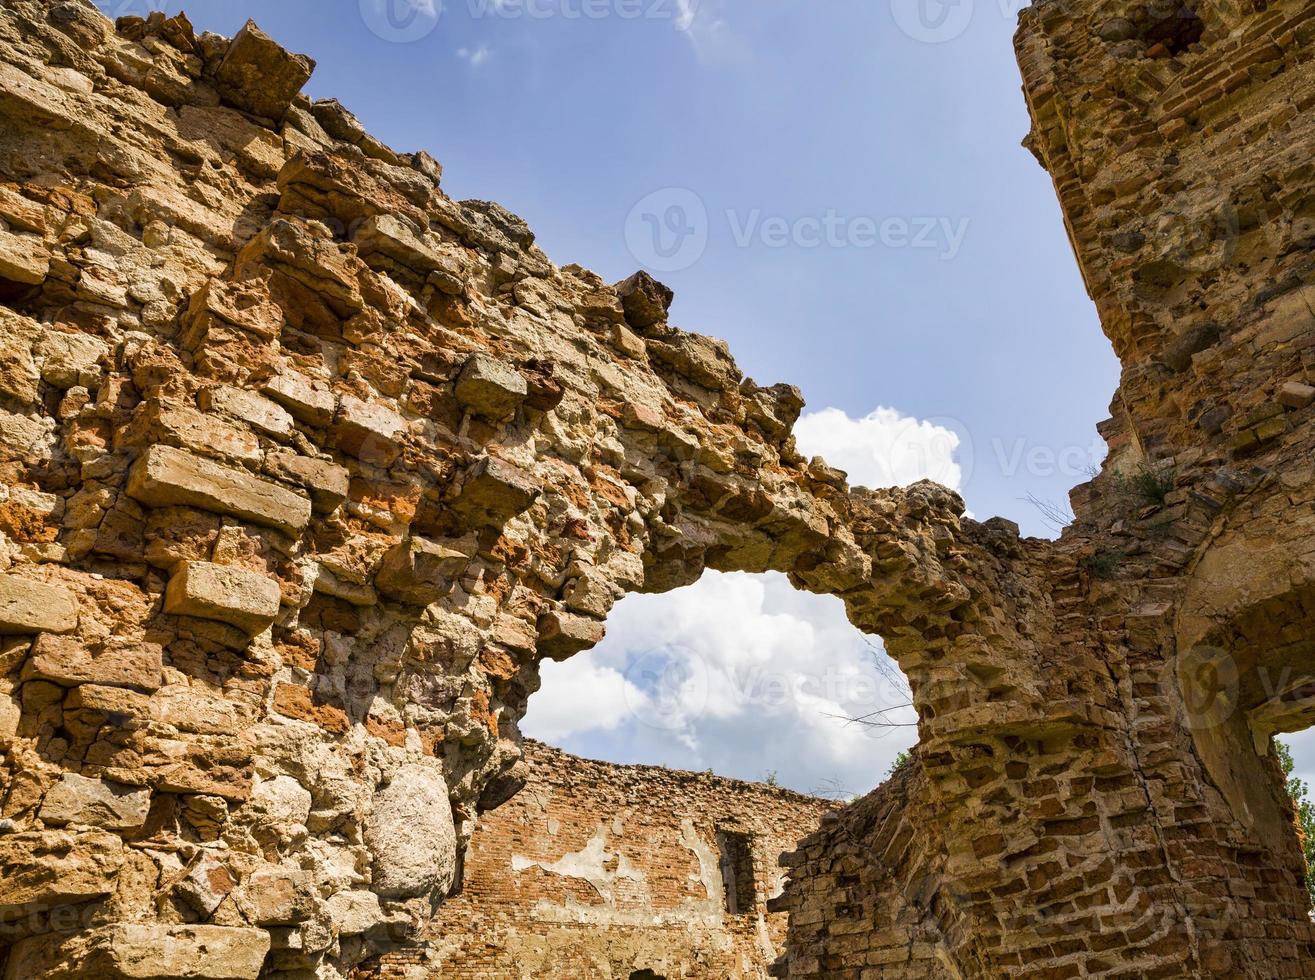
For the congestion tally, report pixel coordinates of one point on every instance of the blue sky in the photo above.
(855, 215)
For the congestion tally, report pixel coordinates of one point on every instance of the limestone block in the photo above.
(224, 304)
(307, 400)
(1294, 394)
(563, 634)
(146, 951)
(196, 431)
(644, 418)
(388, 235)
(369, 431)
(206, 885)
(705, 361)
(241, 598)
(95, 802)
(23, 258)
(69, 359)
(410, 833)
(418, 571)
(275, 896)
(355, 912)
(70, 661)
(166, 477)
(259, 76)
(18, 371)
(495, 491)
(35, 607)
(491, 388)
(327, 482)
(261, 413)
(44, 869)
(20, 213)
(25, 438)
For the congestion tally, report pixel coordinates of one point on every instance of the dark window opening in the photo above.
(1172, 29)
(737, 871)
(646, 975)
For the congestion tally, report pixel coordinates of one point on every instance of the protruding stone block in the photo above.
(167, 477)
(23, 259)
(235, 596)
(95, 802)
(645, 301)
(563, 634)
(35, 607)
(261, 413)
(327, 482)
(69, 661)
(370, 432)
(389, 236)
(42, 869)
(190, 429)
(491, 388)
(494, 491)
(307, 401)
(418, 571)
(259, 76)
(275, 896)
(1295, 395)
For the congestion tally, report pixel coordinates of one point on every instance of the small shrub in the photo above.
(1145, 488)
(1103, 564)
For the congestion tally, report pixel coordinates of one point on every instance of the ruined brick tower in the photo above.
(305, 467)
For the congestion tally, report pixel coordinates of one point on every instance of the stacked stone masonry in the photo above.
(305, 467)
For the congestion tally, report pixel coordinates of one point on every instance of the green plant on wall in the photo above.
(1146, 487)
(1305, 813)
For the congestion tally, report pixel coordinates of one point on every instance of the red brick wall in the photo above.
(597, 871)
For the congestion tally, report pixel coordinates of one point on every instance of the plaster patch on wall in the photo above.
(709, 875)
(588, 864)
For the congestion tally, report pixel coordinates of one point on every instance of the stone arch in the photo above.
(1245, 639)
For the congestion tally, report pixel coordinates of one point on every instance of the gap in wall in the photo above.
(738, 674)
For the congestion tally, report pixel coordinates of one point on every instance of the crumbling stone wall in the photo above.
(596, 871)
(306, 466)
(1152, 837)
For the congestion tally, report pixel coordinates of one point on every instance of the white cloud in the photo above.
(475, 56)
(883, 448)
(579, 694)
(739, 673)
